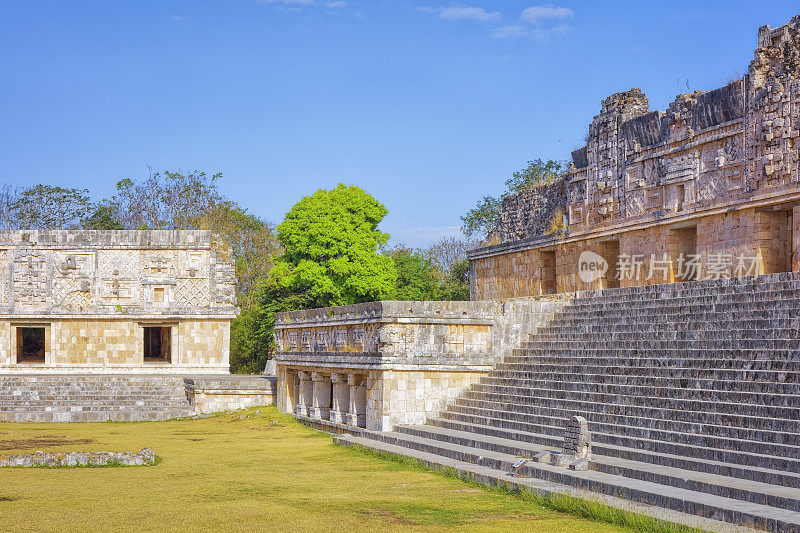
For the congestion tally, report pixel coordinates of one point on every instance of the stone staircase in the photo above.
(691, 392)
(92, 398)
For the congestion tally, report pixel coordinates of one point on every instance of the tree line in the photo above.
(327, 251)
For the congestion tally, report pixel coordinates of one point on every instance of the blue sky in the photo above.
(426, 105)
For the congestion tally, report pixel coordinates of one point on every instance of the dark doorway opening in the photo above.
(30, 345)
(776, 241)
(157, 344)
(684, 244)
(610, 252)
(548, 272)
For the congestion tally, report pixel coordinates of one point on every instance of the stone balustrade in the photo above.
(380, 364)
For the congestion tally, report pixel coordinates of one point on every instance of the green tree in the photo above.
(104, 216)
(49, 207)
(330, 241)
(417, 276)
(482, 219)
(456, 283)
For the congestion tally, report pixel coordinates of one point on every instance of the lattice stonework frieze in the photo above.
(193, 292)
(193, 263)
(119, 274)
(3, 275)
(226, 284)
(160, 263)
(71, 294)
(30, 278)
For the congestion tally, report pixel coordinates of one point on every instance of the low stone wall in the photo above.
(145, 456)
(229, 392)
(381, 364)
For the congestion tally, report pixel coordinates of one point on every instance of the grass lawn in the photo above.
(245, 472)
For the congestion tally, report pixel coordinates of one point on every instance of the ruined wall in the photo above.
(94, 292)
(644, 173)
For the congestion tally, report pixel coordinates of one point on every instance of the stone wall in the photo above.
(94, 292)
(713, 161)
(381, 364)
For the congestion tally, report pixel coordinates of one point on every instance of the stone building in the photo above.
(114, 301)
(380, 364)
(580, 366)
(708, 188)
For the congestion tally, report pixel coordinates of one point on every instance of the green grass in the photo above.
(259, 472)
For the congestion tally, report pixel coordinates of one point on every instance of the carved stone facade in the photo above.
(89, 301)
(716, 173)
(380, 364)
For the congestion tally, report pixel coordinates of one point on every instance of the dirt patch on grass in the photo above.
(503, 517)
(45, 441)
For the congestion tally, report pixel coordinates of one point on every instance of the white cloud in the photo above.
(468, 13)
(337, 4)
(179, 19)
(538, 14)
(537, 23)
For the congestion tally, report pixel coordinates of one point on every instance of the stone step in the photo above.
(593, 371)
(786, 307)
(523, 378)
(660, 344)
(707, 336)
(703, 447)
(578, 389)
(577, 402)
(777, 360)
(681, 318)
(739, 286)
(618, 423)
(554, 442)
(726, 486)
(91, 398)
(682, 500)
(603, 324)
(707, 417)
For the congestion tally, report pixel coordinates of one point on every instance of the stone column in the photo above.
(357, 409)
(341, 398)
(303, 393)
(321, 402)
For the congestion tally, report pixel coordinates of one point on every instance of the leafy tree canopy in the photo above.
(417, 276)
(330, 241)
(50, 207)
(482, 219)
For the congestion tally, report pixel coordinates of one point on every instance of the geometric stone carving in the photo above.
(30, 278)
(226, 284)
(193, 292)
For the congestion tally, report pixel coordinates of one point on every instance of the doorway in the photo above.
(548, 272)
(157, 344)
(775, 228)
(31, 345)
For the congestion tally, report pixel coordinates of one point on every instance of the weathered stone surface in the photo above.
(405, 360)
(715, 161)
(143, 457)
(95, 291)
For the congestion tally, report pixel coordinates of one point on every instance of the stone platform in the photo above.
(691, 392)
(126, 397)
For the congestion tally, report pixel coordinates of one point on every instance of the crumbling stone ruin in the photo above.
(114, 301)
(691, 390)
(143, 457)
(716, 173)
